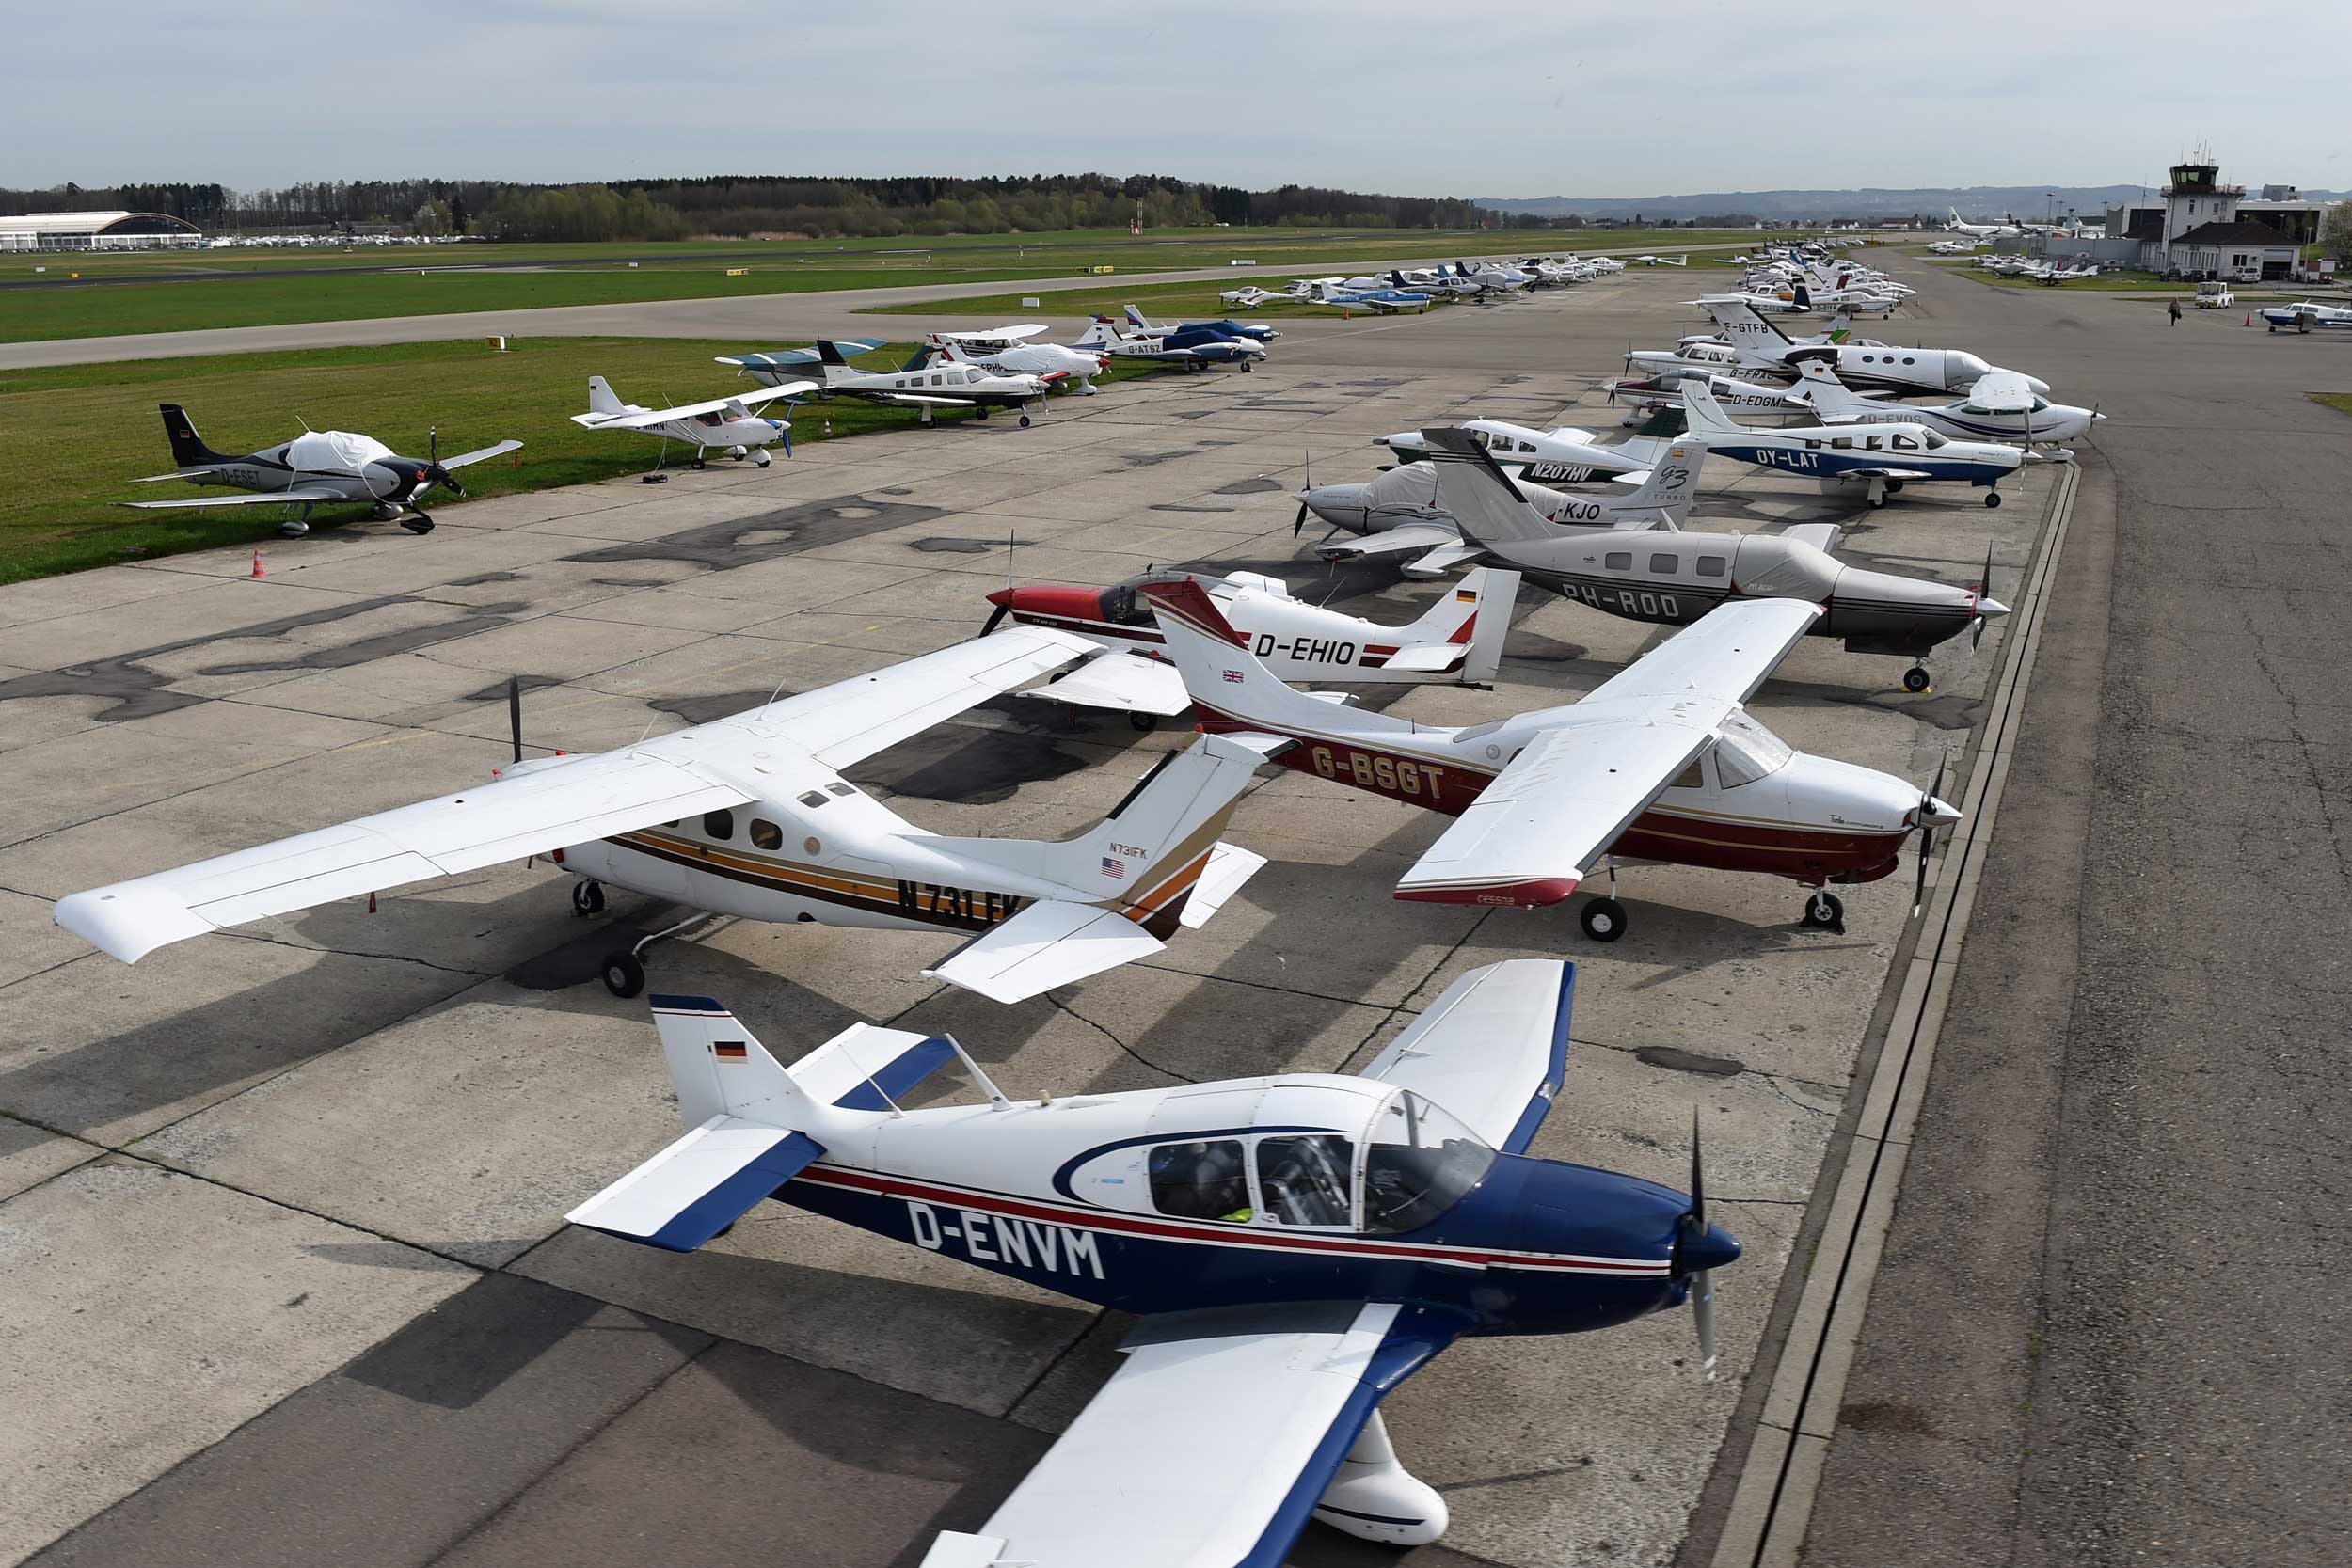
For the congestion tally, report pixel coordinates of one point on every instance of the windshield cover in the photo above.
(1418, 1162)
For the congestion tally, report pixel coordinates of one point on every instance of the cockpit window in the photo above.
(1124, 606)
(1200, 1180)
(1418, 1164)
(1934, 440)
(1304, 1178)
(1745, 752)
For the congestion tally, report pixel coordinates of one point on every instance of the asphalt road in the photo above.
(2108, 1329)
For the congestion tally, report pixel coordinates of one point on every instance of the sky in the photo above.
(1494, 99)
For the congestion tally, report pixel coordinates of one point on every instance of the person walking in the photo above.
(2173, 310)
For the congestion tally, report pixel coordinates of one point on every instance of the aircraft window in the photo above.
(812, 798)
(1479, 437)
(1664, 565)
(1909, 361)
(1419, 1162)
(1305, 1178)
(1843, 443)
(1812, 446)
(1745, 752)
(1874, 443)
(1617, 561)
(1200, 1180)
(1690, 778)
(719, 824)
(1934, 441)
(1904, 443)
(1124, 606)
(842, 788)
(1712, 565)
(2041, 403)
(765, 835)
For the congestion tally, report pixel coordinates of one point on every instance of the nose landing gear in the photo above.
(1825, 912)
(1915, 678)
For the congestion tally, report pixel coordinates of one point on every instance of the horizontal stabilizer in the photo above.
(1050, 944)
(700, 1184)
(1427, 658)
(1229, 867)
(1443, 560)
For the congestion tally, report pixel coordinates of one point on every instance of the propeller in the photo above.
(1690, 1232)
(514, 713)
(1927, 838)
(1300, 521)
(1984, 586)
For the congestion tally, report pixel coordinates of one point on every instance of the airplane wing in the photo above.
(1211, 1445)
(1492, 1049)
(197, 472)
(1409, 539)
(1822, 536)
(991, 334)
(1570, 793)
(687, 411)
(583, 798)
(246, 498)
(1444, 559)
(851, 719)
(499, 450)
(1128, 683)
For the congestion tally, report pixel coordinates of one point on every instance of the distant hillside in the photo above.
(1976, 203)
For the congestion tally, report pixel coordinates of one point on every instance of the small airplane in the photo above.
(1681, 261)
(1882, 456)
(1249, 296)
(1198, 350)
(1761, 345)
(1959, 248)
(1650, 765)
(1377, 298)
(318, 468)
(2000, 407)
(2305, 314)
(1672, 577)
(1458, 641)
(749, 816)
(727, 423)
(925, 382)
(1563, 455)
(1254, 332)
(1663, 390)
(1982, 230)
(1401, 513)
(1296, 1246)
(1006, 351)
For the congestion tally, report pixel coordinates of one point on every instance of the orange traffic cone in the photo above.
(2249, 318)
(257, 565)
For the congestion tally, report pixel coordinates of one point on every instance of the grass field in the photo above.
(54, 512)
(2340, 401)
(251, 288)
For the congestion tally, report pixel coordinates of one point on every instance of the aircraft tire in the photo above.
(1025, 421)
(419, 525)
(1603, 919)
(623, 976)
(1146, 723)
(587, 896)
(1991, 497)
(1894, 486)
(1915, 678)
(1247, 367)
(1825, 912)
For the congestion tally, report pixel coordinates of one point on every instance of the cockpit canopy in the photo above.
(1745, 751)
(1402, 1171)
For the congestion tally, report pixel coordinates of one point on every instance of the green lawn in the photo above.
(2340, 401)
(75, 435)
(338, 286)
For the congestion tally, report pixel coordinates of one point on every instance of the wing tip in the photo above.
(1526, 892)
(126, 923)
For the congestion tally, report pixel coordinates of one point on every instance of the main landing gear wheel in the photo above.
(587, 897)
(1894, 486)
(419, 525)
(1603, 919)
(293, 530)
(623, 976)
(981, 413)
(1824, 912)
(1915, 679)
(1247, 367)
(1147, 723)
(1025, 421)
(1991, 497)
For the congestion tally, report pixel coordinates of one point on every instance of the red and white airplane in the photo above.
(1295, 1245)
(748, 817)
(1457, 641)
(1660, 762)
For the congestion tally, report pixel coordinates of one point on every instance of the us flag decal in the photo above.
(1114, 867)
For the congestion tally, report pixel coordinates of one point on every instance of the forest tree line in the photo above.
(746, 206)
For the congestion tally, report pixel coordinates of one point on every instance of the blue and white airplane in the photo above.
(1295, 1244)
(1348, 296)
(1883, 457)
(2304, 314)
(1222, 326)
(1112, 336)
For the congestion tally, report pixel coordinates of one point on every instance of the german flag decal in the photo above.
(729, 1050)
(1463, 595)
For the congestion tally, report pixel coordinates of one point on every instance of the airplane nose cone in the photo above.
(1991, 608)
(1937, 812)
(2040, 388)
(1716, 1249)
(1004, 596)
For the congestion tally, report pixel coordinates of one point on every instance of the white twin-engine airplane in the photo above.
(749, 816)
(2000, 407)
(923, 382)
(1295, 1245)
(1658, 762)
(1457, 642)
(727, 423)
(318, 468)
(1007, 349)
(1761, 345)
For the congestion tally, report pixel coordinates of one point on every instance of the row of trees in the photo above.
(734, 206)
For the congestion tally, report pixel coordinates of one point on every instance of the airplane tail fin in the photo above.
(751, 1123)
(1232, 691)
(1137, 319)
(1739, 323)
(1475, 612)
(1485, 505)
(1673, 483)
(1805, 297)
(188, 450)
(1100, 330)
(955, 351)
(1817, 380)
(830, 354)
(923, 357)
(601, 397)
(1706, 416)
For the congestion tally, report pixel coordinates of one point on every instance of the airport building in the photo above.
(2202, 227)
(99, 232)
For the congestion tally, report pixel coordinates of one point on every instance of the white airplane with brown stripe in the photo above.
(749, 816)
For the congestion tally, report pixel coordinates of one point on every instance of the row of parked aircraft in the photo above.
(1295, 1245)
